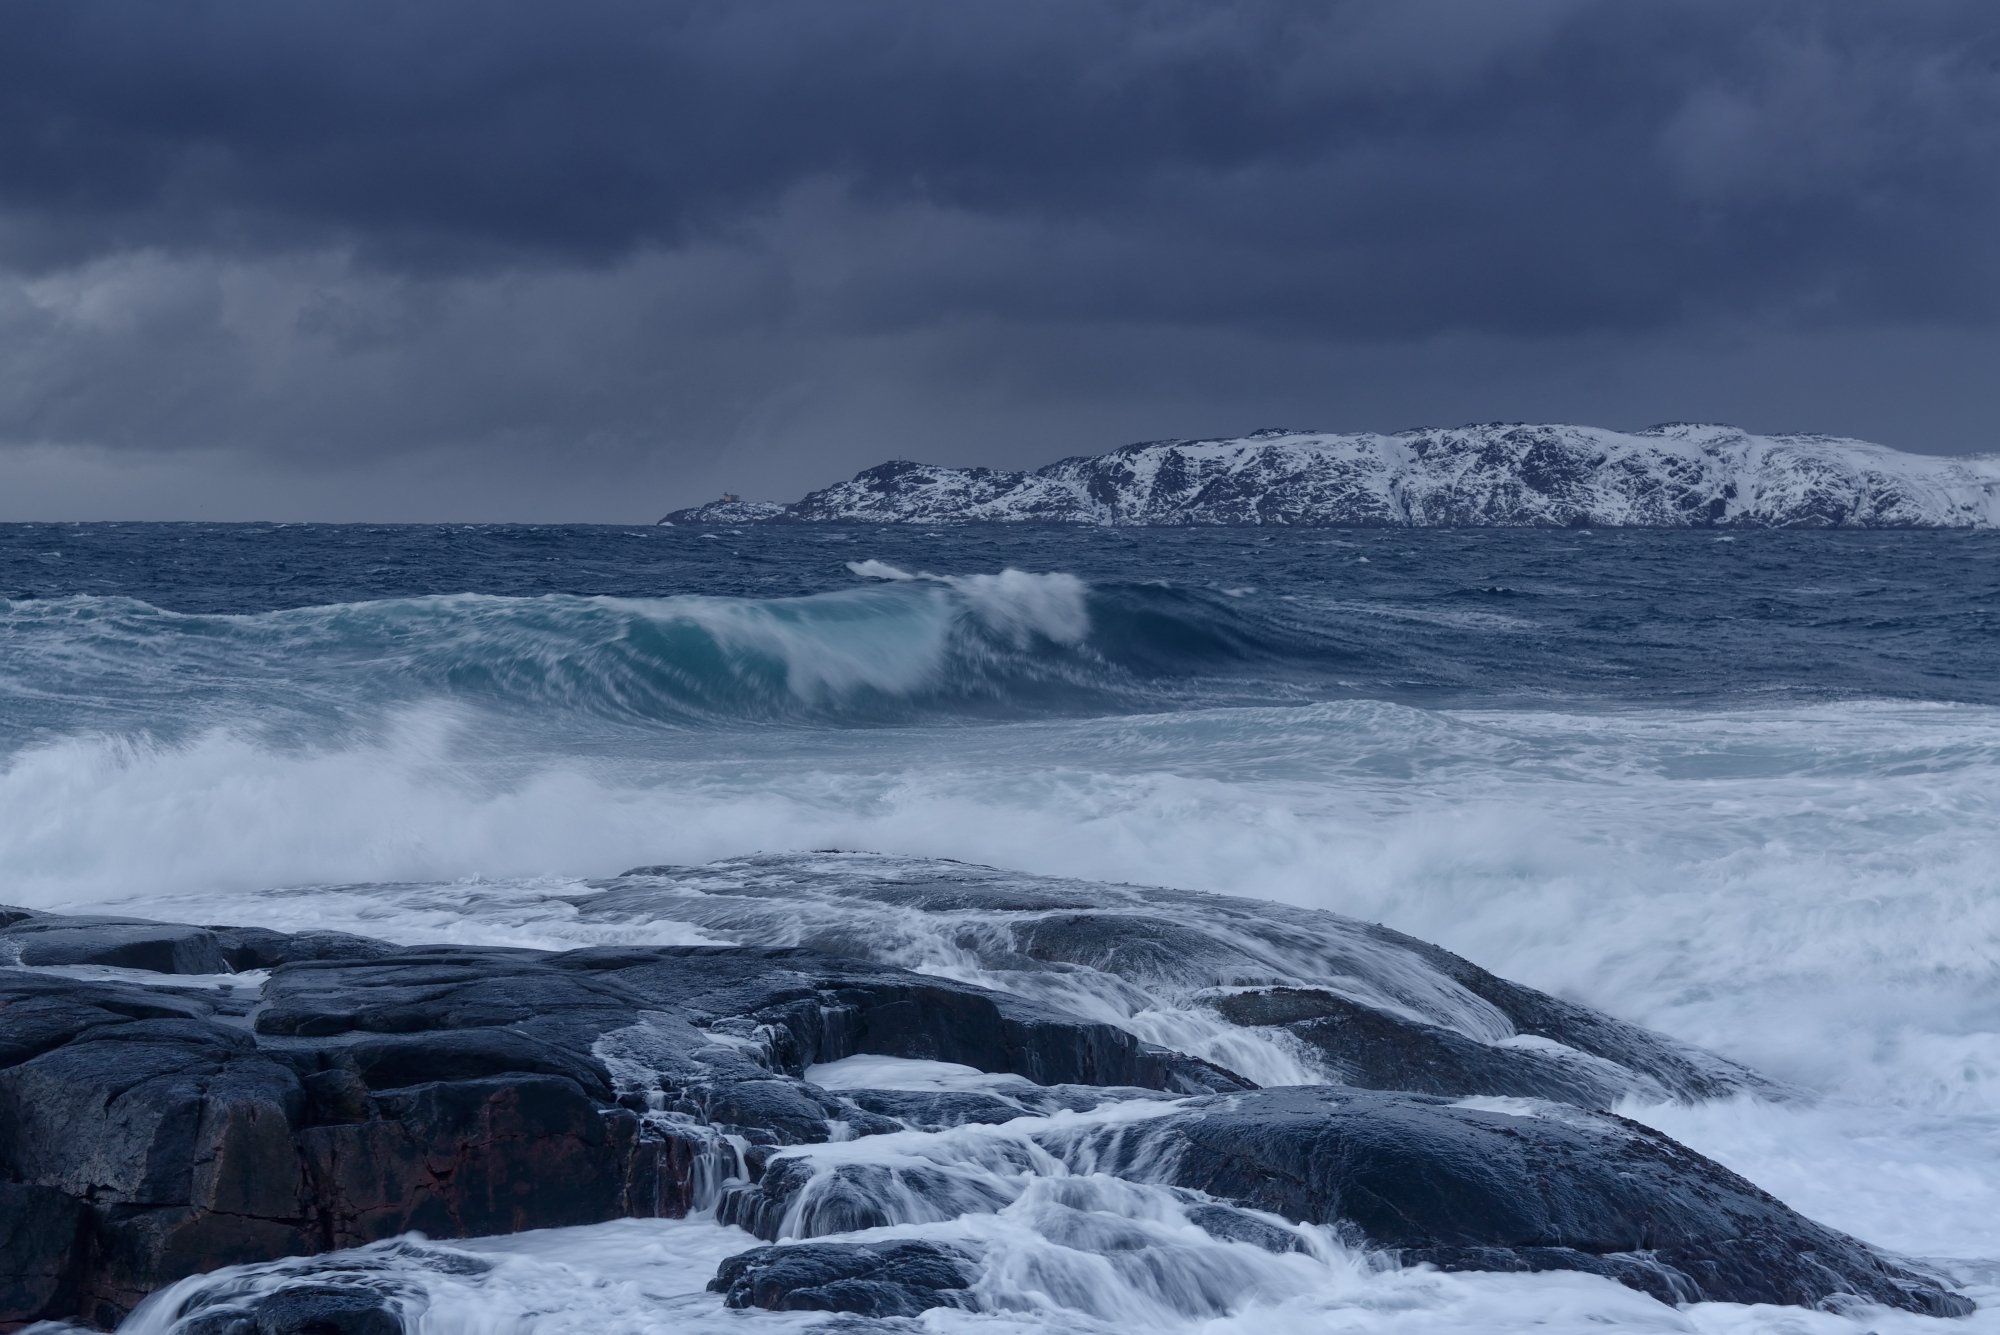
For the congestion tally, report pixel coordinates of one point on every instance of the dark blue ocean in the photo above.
(679, 626)
(1742, 788)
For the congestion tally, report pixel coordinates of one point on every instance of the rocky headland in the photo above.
(1502, 474)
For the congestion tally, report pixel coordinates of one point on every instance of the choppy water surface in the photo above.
(1742, 789)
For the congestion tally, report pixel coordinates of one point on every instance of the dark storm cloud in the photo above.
(1533, 164)
(604, 228)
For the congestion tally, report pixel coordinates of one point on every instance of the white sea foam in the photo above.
(1813, 890)
(873, 569)
(870, 1071)
(1019, 602)
(1064, 1253)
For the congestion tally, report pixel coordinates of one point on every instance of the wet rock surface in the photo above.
(868, 1279)
(1378, 1050)
(454, 1090)
(306, 1309)
(44, 939)
(1534, 1188)
(1374, 1007)
(1522, 1187)
(376, 1291)
(41, 1232)
(157, 1121)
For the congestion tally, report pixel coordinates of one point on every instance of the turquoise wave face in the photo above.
(988, 645)
(161, 629)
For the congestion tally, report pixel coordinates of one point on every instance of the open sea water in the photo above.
(1741, 788)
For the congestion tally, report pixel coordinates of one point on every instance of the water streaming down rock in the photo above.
(950, 1079)
(1250, 985)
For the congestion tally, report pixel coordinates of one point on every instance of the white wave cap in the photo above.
(1675, 475)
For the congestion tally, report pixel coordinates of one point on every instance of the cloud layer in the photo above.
(574, 249)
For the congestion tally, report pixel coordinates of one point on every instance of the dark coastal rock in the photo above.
(1220, 1221)
(1380, 1042)
(1683, 1070)
(39, 1012)
(1381, 1009)
(247, 948)
(1467, 1188)
(375, 1290)
(171, 1125)
(165, 1129)
(42, 1234)
(870, 1279)
(1375, 1050)
(43, 939)
(1539, 1186)
(457, 1091)
(466, 1157)
(303, 1309)
(470, 1012)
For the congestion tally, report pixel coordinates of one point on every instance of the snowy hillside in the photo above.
(1500, 474)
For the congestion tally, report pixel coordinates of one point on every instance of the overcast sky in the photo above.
(508, 259)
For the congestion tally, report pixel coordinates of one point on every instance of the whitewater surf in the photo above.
(1742, 795)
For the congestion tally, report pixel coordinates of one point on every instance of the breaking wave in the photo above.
(900, 646)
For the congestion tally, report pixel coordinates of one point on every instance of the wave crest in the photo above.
(902, 645)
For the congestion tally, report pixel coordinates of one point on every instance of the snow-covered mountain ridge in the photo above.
(1489, 475)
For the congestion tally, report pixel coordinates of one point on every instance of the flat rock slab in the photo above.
(43, 940)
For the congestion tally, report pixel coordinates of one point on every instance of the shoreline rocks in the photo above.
(452, 1090)
(1540, 1188)
(163, 1122)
